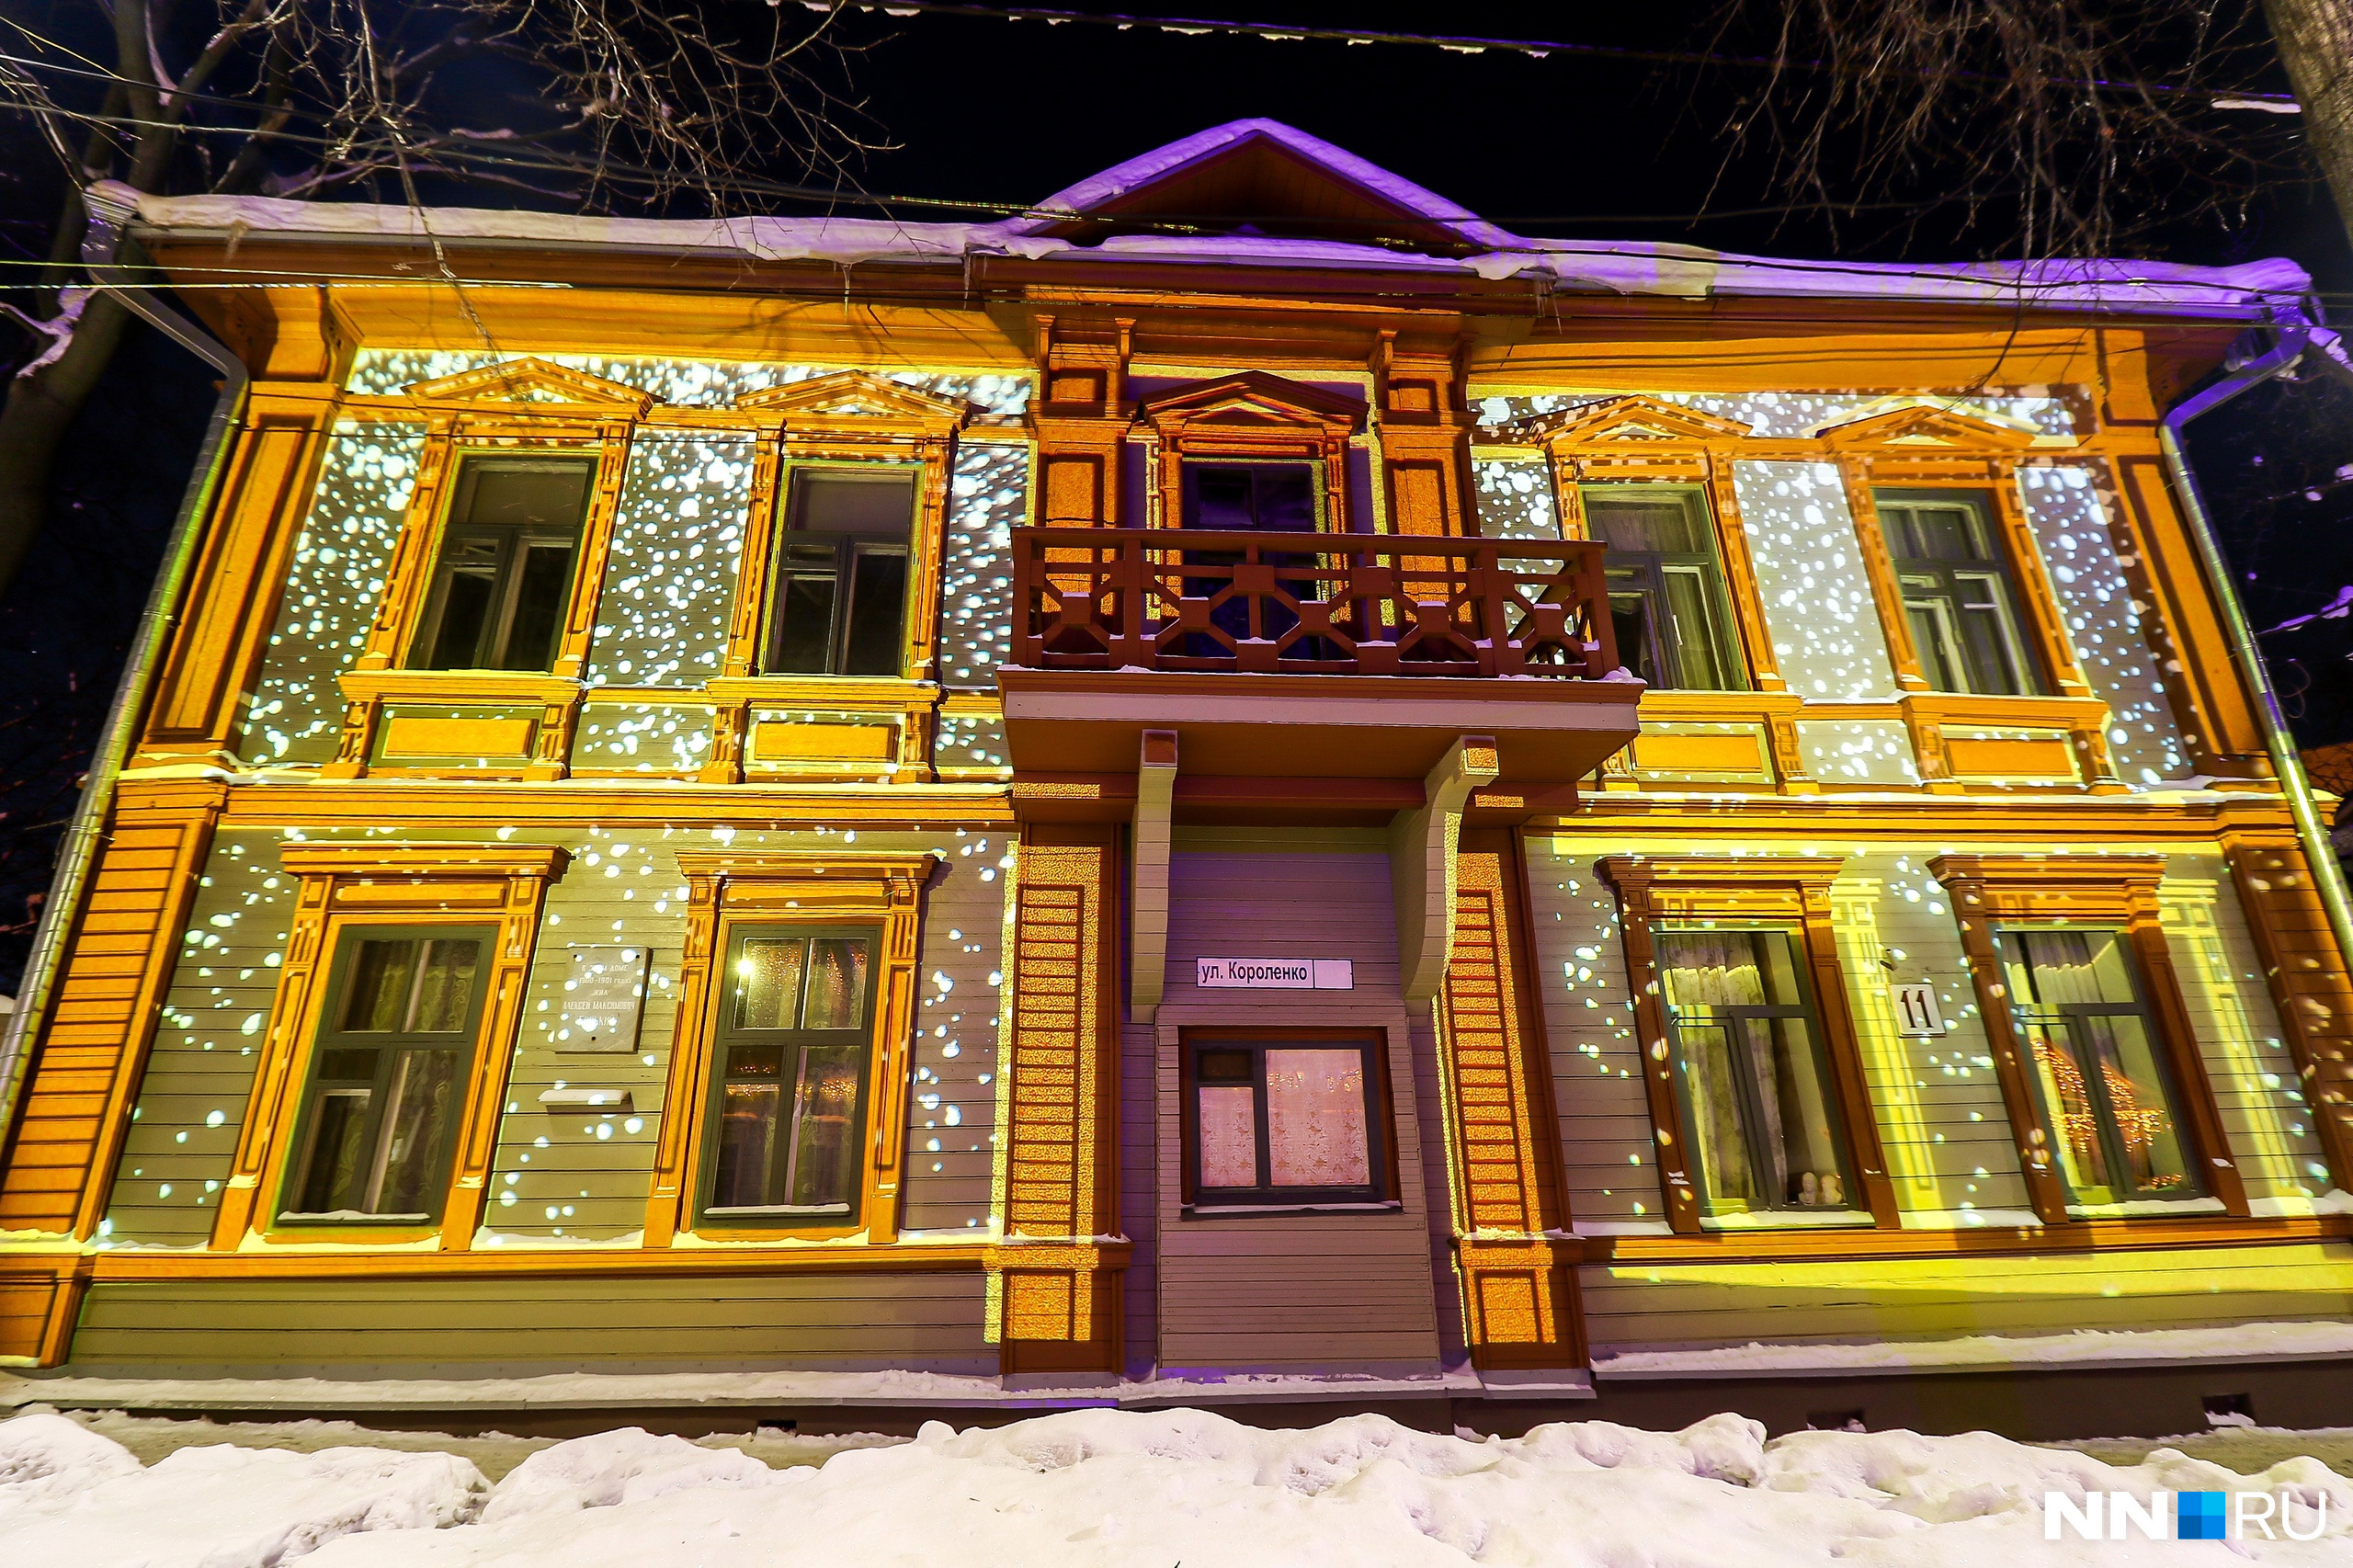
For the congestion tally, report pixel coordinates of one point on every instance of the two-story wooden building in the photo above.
(1247, 785)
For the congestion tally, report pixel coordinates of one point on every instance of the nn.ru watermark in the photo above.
(2185, 1516)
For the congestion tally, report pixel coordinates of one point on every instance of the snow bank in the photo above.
(47, 1456)
(211, 1507)
(1145, 1490)
(627, 1466)
(1127, 1489)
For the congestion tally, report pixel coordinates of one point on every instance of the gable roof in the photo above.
(1275, 178)
(1306, 204)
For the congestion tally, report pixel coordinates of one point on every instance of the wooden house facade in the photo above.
(1113, 806)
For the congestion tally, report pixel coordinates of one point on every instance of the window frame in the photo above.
(426, 885)
(1944, 601)
(848, 551)
(2111, 1133)
(439, 576)
(771, 1217)
(1709, 565)
(877, 892)
(467, 1039)
(1792, 893)
(1751, 1092)
(2118, 892)
(1379, 1196)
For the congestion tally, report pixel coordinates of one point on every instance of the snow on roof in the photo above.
(2252, 291)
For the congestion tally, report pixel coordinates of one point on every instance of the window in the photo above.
(388, 1075)
(1957, 593)
(841, 572)
(1261, 497)
(787, 1141)
(502, 589)
(2104, 1094)
(1758, 1109)
(1666, 587)
(1254, 498)
(1284, 1123)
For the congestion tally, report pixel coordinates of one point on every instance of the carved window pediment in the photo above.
(1249, 408)
(857, 395)
(535, 381)
(1636, 416)
(1922, 424)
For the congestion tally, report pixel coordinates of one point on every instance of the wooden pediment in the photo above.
(1634, 417)
(1925, 425)
(1251, 404)
(857, 394)
(532, 380)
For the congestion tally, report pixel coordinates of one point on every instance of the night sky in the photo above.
(992, 111)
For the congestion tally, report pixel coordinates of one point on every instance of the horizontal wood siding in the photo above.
(1662, 1305)
(1292, 1291)
(621, 889)
(932, 1320)
(2266, 1114)
(1141, 1155)
(192, 1099)
(99, 1022)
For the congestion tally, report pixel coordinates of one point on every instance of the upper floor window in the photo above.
(1251, 498)
(789, 1105)
(1756, 1097)
(2105, 1093)
(502, 589)
(1957, 592)
(1666, 587)
(388, 1075)
(838, 604)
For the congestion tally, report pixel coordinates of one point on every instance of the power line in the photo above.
(1538, 49)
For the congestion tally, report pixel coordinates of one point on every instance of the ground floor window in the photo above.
(1758, 1107)
(787, 1142)
(1285, 1122)
(2075, 1001)
(388, 1072)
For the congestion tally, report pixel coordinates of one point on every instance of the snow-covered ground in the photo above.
(1110, 1487)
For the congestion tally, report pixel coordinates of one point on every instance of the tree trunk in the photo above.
(2315, 39)
(33, 423)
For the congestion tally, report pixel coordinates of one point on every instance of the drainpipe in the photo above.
(86, 833)
(2328, 876)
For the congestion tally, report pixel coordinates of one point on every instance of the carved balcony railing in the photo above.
(1097, 599)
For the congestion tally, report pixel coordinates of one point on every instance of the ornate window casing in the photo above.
(1960, 739)
(777, 893)
(1784, 894)
(1994, 893)
(516, 723)
(1245, 419)
(430, 888)
(2059, 736)
(874, 725)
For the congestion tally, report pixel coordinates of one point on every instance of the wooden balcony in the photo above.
(1311, 655)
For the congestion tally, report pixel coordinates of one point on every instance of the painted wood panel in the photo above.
(1293, 1291)
(85, 1069)
(932, 1320)
(1700, 1305)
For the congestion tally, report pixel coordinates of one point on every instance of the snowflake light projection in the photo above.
(192, 1094)
(643, 737)
(969, 740)
(1867, 751)
(1809, 575)
(1780, 413)
(685, 384)
(677, 543)
(1515, 497)
(988, 497)
(2063, 505)
(332, 586)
